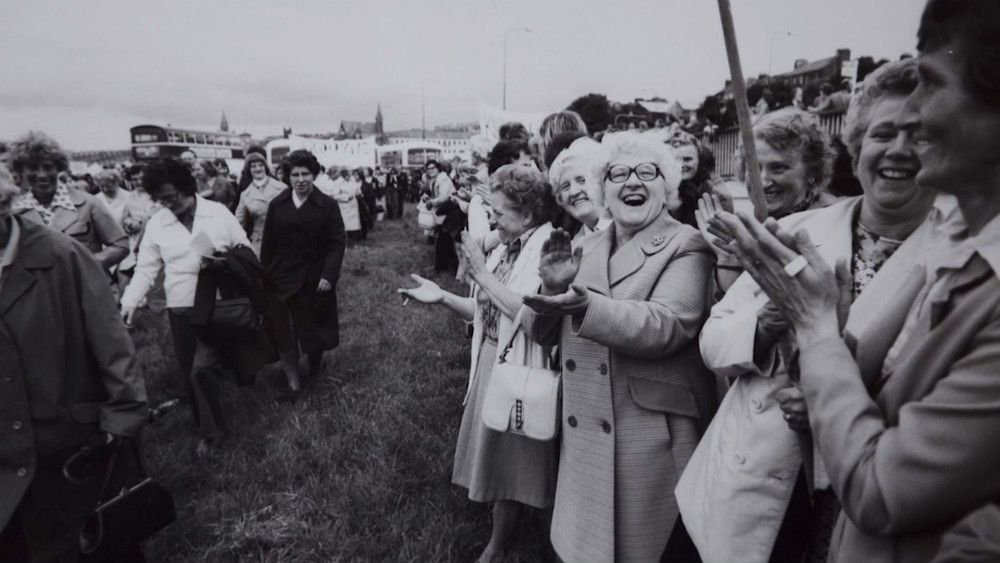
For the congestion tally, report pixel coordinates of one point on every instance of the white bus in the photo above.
(408, 154)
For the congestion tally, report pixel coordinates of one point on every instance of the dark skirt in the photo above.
(306, 321)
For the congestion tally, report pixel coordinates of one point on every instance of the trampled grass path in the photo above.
(359, 467)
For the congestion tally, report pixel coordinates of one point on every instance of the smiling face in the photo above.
(887, 164)
(687, 155)
(509, 222)
(258, 171)
(42, 178)
(784, 176)
(198, 170)
(634, 203)
(302, 180)
(955, 133)
(575, 194)
(107, 186)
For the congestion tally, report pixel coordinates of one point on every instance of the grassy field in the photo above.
(359, 467)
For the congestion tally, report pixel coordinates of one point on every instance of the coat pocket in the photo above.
(85, 412)
(78, 230)
(663, 397)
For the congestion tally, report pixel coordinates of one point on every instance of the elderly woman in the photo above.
(745, 495)
(212, 185)
(174, 242)
(626, 307)
(70, 380)
(252, 208)
(796, 164)
(302, 250)
(111, 194)
(40, 159)
(503, 468)
(575, 187)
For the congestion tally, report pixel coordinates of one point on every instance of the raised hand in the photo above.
(559, 263)
(427, 292)
(472, 251)
(708, 207)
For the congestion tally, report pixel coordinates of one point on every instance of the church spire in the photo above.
(224, 126)
(378, 120)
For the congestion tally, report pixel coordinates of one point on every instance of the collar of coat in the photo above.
(600, 270)
(34, 252)
(316, 197)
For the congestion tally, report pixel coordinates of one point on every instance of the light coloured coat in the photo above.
(734, 494)
(635, 391)
(923, 453)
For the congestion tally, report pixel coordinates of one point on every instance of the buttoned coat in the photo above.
(735, 492)
(300, 247)
(67, 366)
(635, 391)
(924, 453)
(91, 224)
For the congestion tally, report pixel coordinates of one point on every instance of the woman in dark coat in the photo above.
(302, 251)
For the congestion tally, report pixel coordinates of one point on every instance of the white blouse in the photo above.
(166, 245)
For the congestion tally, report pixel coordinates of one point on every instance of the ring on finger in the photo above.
(797, 264)
(787, 416)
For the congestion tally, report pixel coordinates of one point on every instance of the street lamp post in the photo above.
(505, 34)
(770, 54)
(423, 107)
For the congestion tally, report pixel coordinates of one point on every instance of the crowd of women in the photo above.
(239, 291)
(819, 386)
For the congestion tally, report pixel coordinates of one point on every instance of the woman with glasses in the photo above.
(796, 164)
(626, 305)
(177, 239)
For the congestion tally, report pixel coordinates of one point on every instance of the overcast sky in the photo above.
(87, 71)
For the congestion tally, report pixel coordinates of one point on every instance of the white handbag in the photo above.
(520, 399)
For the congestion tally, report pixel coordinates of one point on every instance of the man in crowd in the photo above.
(68, 378)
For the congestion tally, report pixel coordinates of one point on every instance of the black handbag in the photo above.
(233, 320)
(132, 515)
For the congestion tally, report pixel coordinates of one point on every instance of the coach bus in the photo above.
(153, 141)
(408, 154)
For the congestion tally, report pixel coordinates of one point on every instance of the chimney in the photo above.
(844, 55)
(800, 63)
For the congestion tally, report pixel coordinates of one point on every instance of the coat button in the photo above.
(604, 369)
(7, 378)
(740, 459)
(16, 425)
(570, 365)
(606, 427)
(571, 421)
(21, 472)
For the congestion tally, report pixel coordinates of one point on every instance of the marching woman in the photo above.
(505, 469)
(626, 307)
(302, 251)
(252, 208)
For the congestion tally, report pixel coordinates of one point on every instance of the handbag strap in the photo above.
(112, 461)
(513, 334)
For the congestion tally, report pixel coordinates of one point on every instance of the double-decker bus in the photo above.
(408, 154)
(153, 141)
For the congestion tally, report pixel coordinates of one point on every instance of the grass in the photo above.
(359, 467)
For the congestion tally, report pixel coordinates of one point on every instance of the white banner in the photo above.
(329, 152)
(492, 117)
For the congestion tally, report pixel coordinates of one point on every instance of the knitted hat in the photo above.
(255, 157)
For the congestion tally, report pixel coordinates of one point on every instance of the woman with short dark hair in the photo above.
(302, 251)
(213, 186)
(177, 240)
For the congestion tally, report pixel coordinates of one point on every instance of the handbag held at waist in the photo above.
(522, 400)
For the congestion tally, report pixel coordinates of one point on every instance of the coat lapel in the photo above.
(34, 252)
(629, 259)
(594, 264)
(62, 218)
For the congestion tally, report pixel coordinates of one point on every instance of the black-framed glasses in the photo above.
(619, 173)
(164, 200)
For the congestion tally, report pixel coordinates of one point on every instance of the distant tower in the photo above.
(378, 121)
(224, 126)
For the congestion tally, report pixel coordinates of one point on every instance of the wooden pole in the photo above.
(755, 188)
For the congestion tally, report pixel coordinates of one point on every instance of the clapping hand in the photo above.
(769, 319)
(574, 301)
(472, 251)
(427, 292)
(812, 299)
(708, 206)
(559, 263)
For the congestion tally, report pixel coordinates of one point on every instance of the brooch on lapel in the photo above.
(657, 240)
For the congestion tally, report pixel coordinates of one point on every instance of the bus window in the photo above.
(173, 137)
(147, 152)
